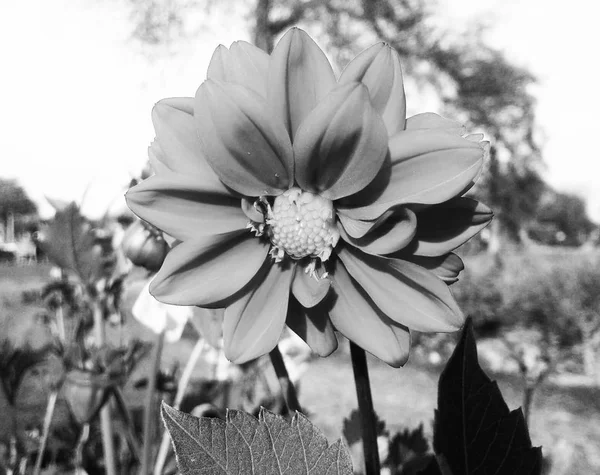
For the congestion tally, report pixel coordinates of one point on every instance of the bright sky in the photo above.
(77, 93)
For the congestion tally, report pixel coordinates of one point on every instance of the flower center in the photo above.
(301, 224)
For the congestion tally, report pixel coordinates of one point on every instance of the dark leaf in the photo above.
(475, 433)
(406, 446)
(242, 444)
(352, 430)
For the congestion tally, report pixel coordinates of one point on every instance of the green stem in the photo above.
(149, 411)
(105, 419)
(163, 451)
(365, 408)
(287, 387)
(45, 431)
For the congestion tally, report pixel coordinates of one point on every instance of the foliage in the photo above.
(474, 430)
(267, 445)
(13, 199)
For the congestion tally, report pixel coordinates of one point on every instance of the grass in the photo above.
(565, 420)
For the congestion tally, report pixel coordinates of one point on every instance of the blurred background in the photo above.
(80, 78)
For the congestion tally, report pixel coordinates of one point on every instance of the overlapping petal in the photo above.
(186, 206)
(357, 228)
(341, 145)
(180, 148)
(378, 68)
(393, 234)
(425, 166)
(357, 317)
(254, 322)
(249, 151)
(299, 77)
(208, 270)
(430, 120)
(443, 228)
(314, 326)
(242, 64)
(308, 290)
(405, 292)
(446, 267)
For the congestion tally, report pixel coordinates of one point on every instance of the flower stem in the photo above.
(105, 418)
(45, 431)
(181, 388)
(149, 411)
(287, 387)
(365, 408)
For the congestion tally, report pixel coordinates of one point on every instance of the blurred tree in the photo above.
(13, 202)
(477, 83)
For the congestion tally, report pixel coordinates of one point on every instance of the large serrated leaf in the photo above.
(242, 444)
(475, 433)
(70, 243)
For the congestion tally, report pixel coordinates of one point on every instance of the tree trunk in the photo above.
(262, 32)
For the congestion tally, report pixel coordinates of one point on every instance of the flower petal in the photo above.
(186, 206)
(405, 292)
(243, 64)
(247, 150)
(299, 77)
(429, 120)
(208, 270)
(178, 140)
(156, 158)
(254, 322)
(209, 324)
(393, 234)
(357, 228)
(425, 167)
(341, 145)
(378, 68)
(313, 326)
(357, 317)
(446, 267)
(249, 209)
(443, 228)
(307, 289)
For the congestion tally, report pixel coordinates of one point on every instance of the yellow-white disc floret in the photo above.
(301, 224)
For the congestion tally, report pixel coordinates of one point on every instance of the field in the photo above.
(565, 420)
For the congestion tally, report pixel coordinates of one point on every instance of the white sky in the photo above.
(77, 94)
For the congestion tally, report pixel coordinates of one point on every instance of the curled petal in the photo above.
(425, 167)
(208, 270)
(313, 326)
(180, 149)
(395, 233)
(443, 228)
(341, 145)
(242, 64)
(254, 322)
(405, 292)
(251, 212)
(357, 228)
(186, 206)
(446, 267)
(357, 317)
(299, 77)
(429, 120)
(378, 68)
(247, 150)
(308, 290)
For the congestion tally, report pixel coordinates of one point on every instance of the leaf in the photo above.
(407, 445)
(352, 430)
(243, 444)
(474, 431)
(69, 242)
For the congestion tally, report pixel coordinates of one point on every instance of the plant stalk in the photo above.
(287, 387)
(163, 451)
(365, 408)
(149, 411)
(45, 431)
(105, 419)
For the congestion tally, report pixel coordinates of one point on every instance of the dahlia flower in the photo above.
(295, 198)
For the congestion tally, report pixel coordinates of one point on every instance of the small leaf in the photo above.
(243, 444)
(352, 430)
(474, 431)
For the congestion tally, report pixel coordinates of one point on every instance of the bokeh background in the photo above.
(79, 79)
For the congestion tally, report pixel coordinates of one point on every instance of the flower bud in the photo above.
(144, 247)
